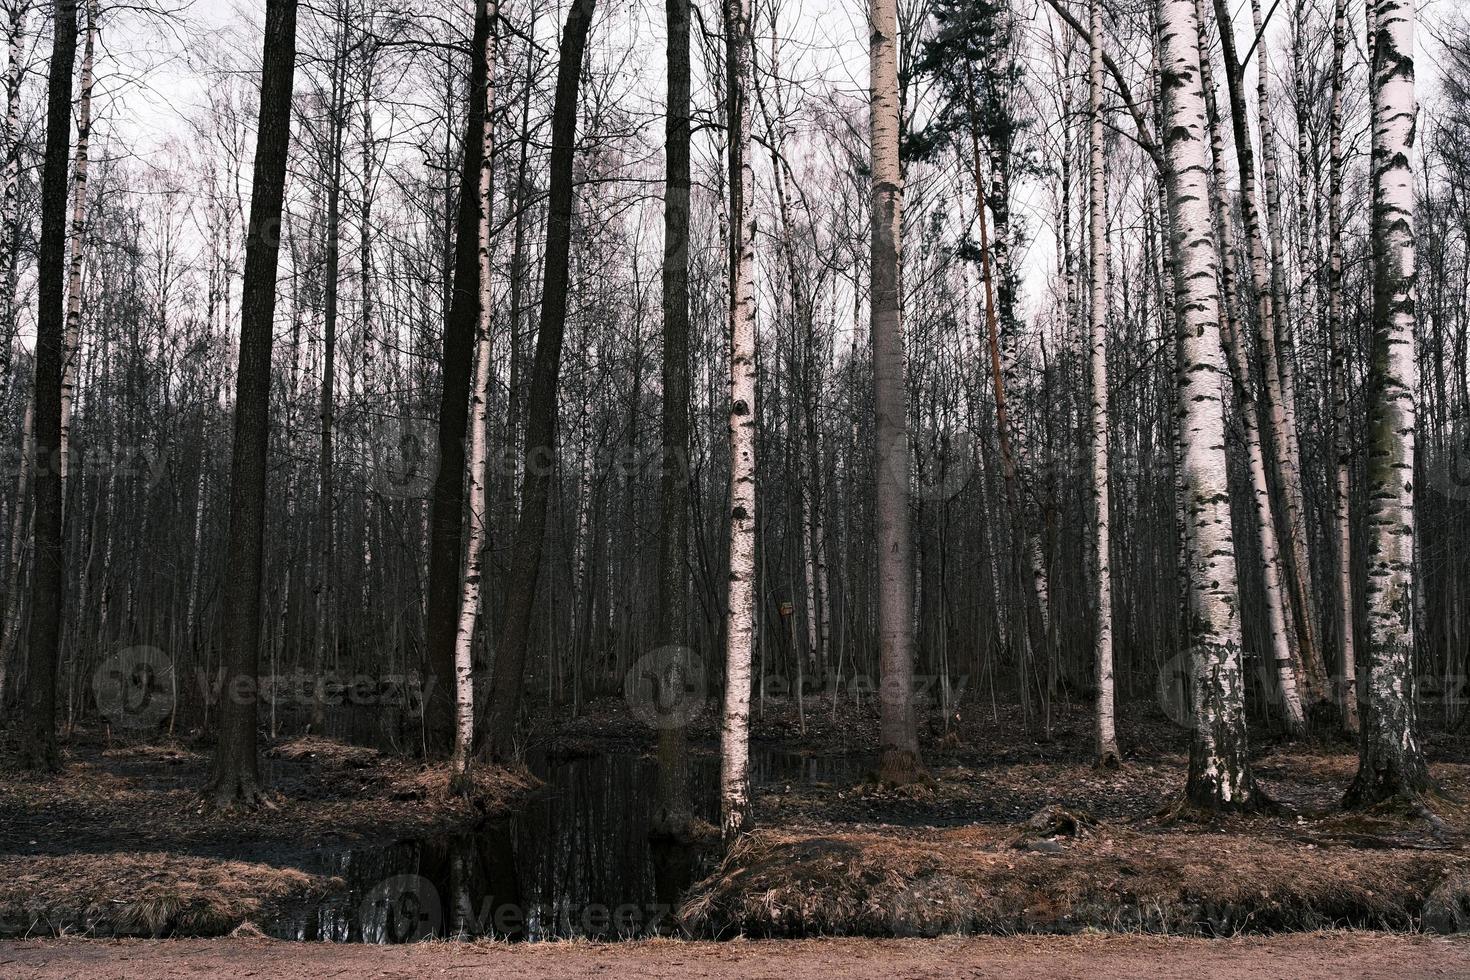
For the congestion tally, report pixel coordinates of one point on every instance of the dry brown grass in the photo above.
(138, 894)
(986, 879)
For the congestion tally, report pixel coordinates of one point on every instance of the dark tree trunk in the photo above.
(540, 458)
(673, 581)
(47, 580)
(236, 775)
(446, 520)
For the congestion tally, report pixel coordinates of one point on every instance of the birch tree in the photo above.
(1219, 768)
(1107, 738)
(1391, 761)
(446, 514)
(78, 238)
(479, 515)
(740, 632)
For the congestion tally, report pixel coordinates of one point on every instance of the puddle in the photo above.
(575, 863)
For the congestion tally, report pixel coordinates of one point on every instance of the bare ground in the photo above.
(1304, 956)
(121, 842)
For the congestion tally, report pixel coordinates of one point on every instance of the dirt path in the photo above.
(1328, 956)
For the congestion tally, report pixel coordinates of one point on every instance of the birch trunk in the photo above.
(446, 509)
(19, 524)
(72, 350)
(1391, 762)
(479, 449)
(1107, 738)
(740, 632)
(1285, 375)
(1347, 698)
(1280, 459)
(10, 140)
(1282, 652)
(1219, 767)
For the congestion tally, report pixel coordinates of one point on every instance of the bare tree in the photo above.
(236, 779)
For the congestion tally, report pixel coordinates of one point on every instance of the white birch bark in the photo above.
(10, 141)
(1285, 374)
(1107, 738)
(479, 448)
(1347, 698)
(1282, 651)
(740, 632)
(1391, 762)
(18, 537)
(72, 344)
(1219, 770)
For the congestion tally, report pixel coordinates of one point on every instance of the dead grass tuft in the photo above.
(969, 880)
(138, 894)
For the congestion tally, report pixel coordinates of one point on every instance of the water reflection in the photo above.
(576, 862)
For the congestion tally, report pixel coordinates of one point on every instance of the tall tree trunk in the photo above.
(672, 808)
(72, 351)
(541, 406)
(10, 142)
(236, 765)
(898, 738)
(48, 583)
(1297, 563)
(740, 631)
(446, 514)
(1283, 653)
(1347, 698)
(1390, 761)
(474, 559)
(1107, 738)
(326, 512)
(1219, 768)
(1282, 348)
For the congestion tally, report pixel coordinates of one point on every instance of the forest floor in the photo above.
(1309, 956)
(1013, 831)
(122, 842)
